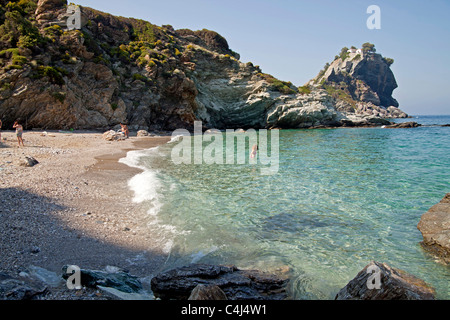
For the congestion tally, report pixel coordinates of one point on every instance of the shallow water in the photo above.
(340, 198)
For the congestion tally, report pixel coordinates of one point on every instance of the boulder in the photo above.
(143, 133)
(394, 284)
(435, 228)
(202, 292)
(113, 136)
(237, 284)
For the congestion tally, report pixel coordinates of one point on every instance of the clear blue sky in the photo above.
(293, 39)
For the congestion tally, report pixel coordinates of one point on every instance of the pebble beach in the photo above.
(74, 206)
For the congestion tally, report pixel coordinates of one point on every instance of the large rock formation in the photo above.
(394, 284)
(117, 69)
(362, 83)
(435, 228)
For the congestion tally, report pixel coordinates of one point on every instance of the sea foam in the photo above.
(147, 187)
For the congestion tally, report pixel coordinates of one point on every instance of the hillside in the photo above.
(118, 69)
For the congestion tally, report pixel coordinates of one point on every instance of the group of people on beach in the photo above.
(19, 132)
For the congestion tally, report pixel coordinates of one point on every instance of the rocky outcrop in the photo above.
(435, 228)
(403, 125)
(362, 77)
(394, 284)
(235, 283)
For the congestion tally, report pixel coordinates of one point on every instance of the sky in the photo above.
(293, 39)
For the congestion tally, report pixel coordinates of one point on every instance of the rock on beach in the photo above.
(435, 228)
(394, 284)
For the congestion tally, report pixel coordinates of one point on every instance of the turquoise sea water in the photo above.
(341, 198)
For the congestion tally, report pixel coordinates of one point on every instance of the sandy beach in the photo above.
(74, 207)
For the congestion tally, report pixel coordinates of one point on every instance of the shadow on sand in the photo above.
(33, 234)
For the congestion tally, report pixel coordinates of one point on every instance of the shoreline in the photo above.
(75, 206)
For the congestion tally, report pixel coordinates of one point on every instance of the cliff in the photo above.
(362, 82)
(119, 69)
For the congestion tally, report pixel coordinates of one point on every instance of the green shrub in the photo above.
(344, 53)
(19, 60)
(13, 66)
(280, 86)
(140, 77)
(304, 90)
(389, 61)
(59, 95)
(54, 74)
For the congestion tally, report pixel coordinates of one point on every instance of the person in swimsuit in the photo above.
(19, 132)
(254, 151)
(125, 130)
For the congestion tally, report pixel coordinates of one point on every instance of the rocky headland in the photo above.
(117, 69)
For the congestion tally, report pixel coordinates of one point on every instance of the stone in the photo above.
(29, 162)
(202, 292)
(112, 135)
(12, 288)
(395, 284)
(435, 228)
(143, 133)
(237, 284)
(120, 280)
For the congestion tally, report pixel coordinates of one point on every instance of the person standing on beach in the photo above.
(125, 130)
(19, 132)
(0, 131)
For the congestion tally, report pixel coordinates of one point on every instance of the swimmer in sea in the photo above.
(254, 151)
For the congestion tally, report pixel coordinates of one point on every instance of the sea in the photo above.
(338, 199)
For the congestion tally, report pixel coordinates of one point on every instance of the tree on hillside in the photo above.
(344, 53)
(368, 48)
(389, 61)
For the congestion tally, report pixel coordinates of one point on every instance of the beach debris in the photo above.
(29, 162)
(435, 228)
(235, 283)
(112, 135)
(379, 281)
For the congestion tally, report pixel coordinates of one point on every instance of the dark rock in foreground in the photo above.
(13, 288)
(435, 228)
(394, 284)
(119, 280)
(236, 284)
